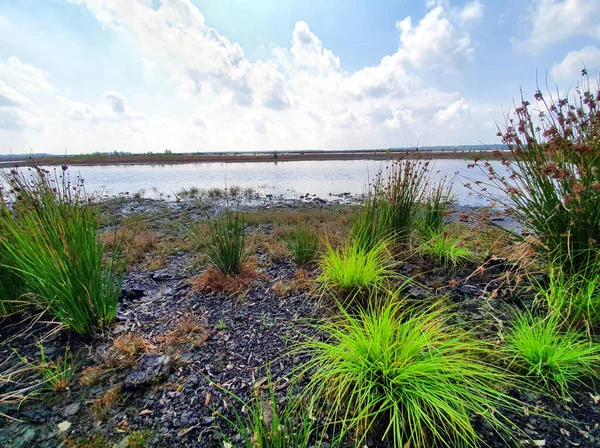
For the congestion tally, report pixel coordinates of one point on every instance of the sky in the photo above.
(82, 76)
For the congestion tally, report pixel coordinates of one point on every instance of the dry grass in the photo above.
(302, 282)
(136, 243)
(187, 331)
(280, 289)
(277, 251)
(102, 405)
(290, 218)
(93, 375)
(126, 350)
(214, 281)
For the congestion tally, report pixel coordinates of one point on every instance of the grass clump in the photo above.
(404, 188)
(392, 206)
(436, 243)
(553, 180)
(267, 423)
(303, 243)
(139, 439)
(447, 250)
(51, 244)
(225, 243)
(351, 271)
(558, 358)
(404, 375)
(56, 374)
(434, 209)
(575, 297)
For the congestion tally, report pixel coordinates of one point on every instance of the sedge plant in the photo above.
(57, 374)
(225, 242)
(405, 184)
(51, 244)
(446, 249)
(557, 357)
(269, 422)
(350, 272)
(303, 243)
(435, 242)
(406, 376)
(553, 179)
(575, 297)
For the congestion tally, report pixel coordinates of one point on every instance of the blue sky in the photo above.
(194, 75)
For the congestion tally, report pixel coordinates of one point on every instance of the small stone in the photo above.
(71, 409)
(152, 368)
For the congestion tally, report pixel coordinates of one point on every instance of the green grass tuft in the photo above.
(270, 423)
(303, 243)
(558, 358)
(573, 296)
(51, 244)
(447, 250)
(352, 271)
(405, 375)
(225, 243)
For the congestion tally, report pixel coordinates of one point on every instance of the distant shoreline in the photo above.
(168, 159)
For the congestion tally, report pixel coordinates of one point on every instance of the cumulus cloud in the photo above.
(434, 41)
(570, 67)
(472, 11)
(308, 50)
(27, 78)
(116, 110)
(556, 20)
(297, 96)
(455, 112)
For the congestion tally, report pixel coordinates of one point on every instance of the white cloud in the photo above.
(434, 41)
(455, 112)
(553, 21)
(9, 97)
(20, 83)
(308, 50)
(27, 78)
(116, 110)
(472, 11)
(294, 97)
(569, 69)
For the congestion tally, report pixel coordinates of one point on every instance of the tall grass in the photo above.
(51, 245)
(373, 224)
(225, 243)
(405, 186)
(392, 205)
(303, 243)
(434, 209)
(554, 176)
(558, 358)
(404, 375)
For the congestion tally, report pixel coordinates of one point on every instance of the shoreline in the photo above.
(275, 157)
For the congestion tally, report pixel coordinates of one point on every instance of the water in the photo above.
(281, 179)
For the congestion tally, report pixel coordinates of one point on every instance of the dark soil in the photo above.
(174, 390)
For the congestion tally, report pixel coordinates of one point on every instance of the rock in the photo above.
(152, 368)
(131, 294)
(417, 293)
(161, 275)
(71, 409)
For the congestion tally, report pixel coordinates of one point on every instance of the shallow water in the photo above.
(280, 179)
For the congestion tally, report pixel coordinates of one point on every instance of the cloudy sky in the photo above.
(206, 75)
